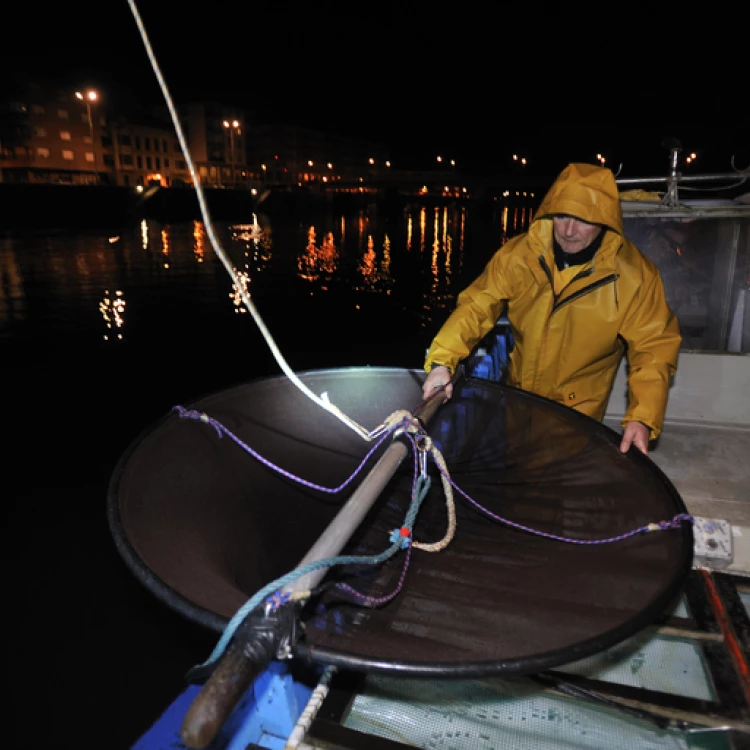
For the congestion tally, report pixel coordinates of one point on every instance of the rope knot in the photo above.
(402, 536)
(403, 421)
(198, 415)
(423, 442)
(276, 599)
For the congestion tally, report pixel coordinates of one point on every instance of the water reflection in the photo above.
(199, 241)
(112, 309)
(12, 296)
(240, 287)
(165, 245)
(254, 244)
(144, 234)
(401, 263)
(375, 272)
(318, 262)
(402, 269)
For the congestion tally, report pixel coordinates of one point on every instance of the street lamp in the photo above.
(88, 97)
(233, 127)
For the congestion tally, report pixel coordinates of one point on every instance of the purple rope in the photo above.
(373, 601)
(673, 523)
(376, 601)
(221, 430)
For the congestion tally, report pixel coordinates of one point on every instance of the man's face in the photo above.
(574, 235)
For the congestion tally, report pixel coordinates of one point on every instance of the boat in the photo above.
(454, 579)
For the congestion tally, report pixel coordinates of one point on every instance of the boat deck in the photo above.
(704, 447)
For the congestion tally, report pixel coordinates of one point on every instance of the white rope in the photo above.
(295, 739)
(321, 400)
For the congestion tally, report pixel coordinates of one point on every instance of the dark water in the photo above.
(102, 335)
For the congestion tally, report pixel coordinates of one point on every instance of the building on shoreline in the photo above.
(50, 134)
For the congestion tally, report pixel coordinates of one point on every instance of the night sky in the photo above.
(475, 82)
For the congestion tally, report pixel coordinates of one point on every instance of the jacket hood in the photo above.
(587, 192)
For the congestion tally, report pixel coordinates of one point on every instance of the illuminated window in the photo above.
(42, 153)
(68, 155)
(63, 114)
(64, 135)
(89, 156)
(40, 132)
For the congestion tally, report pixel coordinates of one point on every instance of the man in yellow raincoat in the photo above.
(577, 295)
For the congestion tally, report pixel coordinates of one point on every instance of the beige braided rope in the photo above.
(414, 428)
(449, 504)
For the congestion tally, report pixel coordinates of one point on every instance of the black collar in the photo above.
(563, 259)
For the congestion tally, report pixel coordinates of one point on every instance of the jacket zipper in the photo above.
(581, 292)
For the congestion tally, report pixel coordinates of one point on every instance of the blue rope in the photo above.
(420, 488)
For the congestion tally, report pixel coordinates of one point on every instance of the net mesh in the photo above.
(205, 525)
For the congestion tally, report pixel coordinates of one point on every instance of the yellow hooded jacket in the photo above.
(568, 346)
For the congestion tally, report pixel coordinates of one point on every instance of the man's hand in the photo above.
(439, 376)
(636, 434)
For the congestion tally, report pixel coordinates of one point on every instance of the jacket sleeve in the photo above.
(653, 339)
(477, 310)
